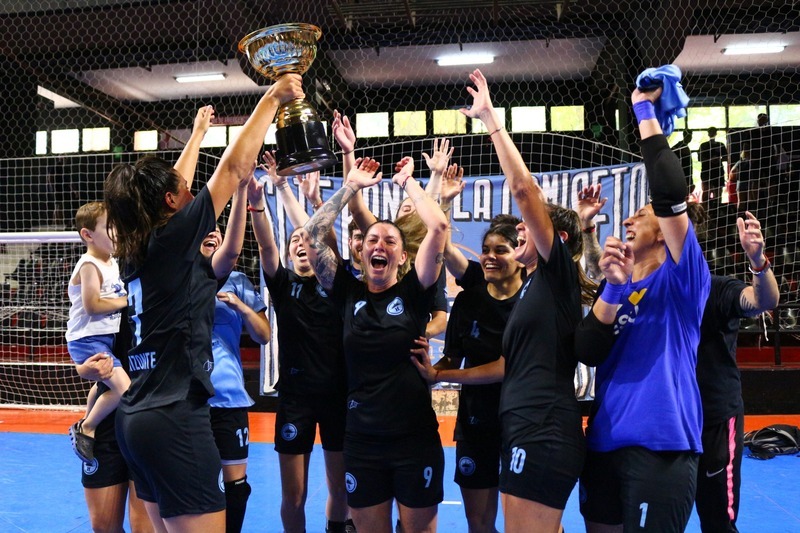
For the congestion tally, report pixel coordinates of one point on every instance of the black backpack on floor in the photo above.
(777, 439)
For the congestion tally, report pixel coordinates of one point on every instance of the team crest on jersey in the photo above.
(352, 404)
(466, 465)
(321, 291)
(221, 481)
(208, 366)
(350, 482)
(289, 431)
(359, 305)
(90, 468)
(395, 307)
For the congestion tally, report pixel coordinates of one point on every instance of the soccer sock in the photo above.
(236, 495)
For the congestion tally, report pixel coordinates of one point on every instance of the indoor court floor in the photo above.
(40, 488)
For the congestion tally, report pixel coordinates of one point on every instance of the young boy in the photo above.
(97, 295)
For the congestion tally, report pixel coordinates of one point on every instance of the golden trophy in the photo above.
(290, 49)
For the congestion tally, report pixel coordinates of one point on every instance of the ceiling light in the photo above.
(193, 78)
(465, 59)
(747, 49)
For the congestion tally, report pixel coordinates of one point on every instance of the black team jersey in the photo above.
(475, 334)
(718, 375)
(309, 335)
(171, 312)
(538, 346)
(387, 397)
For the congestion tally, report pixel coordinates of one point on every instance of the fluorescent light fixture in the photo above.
(747, 49)
(58, 100)
(465, 59)
(194, 78)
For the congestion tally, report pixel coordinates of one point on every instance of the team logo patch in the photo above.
(636, 296)
(208, 366)
(350, 482)
(395, 307)
(90, 468)
(466, 466)
(321, 291)
(352, 404)
(289, 432)
(221, 481)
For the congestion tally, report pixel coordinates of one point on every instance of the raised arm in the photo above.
(237, 161)
(526, 194)
(224, 259)
(763, 292)
(268, 251)
(430, 256)
(452, 185)
(323, 259)
(295, 212)
(589, 204)
(664, 174)
(187, 162)
(346, 138)
(437, 164)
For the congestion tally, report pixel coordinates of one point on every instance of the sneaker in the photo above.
(82, 444)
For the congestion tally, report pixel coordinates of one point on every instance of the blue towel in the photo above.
(673, 99)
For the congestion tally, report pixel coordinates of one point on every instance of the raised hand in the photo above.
(255, 193)
(270, 166)
(343, 132)
(437, 162)
(287, 88)
(617, 261)
(230, 299)
(309, 186)
(203, 119)
(451, 182)
(640, 96)
(365, 173)
(481, 102)
(404, 167)
(751, 238)
(590, 203)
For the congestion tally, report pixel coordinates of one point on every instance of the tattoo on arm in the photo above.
(325, 265)
(323, 219)
(439, 258)
(749, 308)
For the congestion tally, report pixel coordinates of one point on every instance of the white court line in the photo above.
(451, 502)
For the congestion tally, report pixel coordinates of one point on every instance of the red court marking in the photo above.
(262, 425)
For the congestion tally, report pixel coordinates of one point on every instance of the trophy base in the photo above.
(303, 147)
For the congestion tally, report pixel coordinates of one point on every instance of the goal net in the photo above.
(90, 84)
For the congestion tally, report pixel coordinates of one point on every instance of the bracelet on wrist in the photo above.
(282, 185)
(590, 229)
(762, 269)
(349, 152)
(317, 205)
(403, 183)
(255, 210)
(495, 131)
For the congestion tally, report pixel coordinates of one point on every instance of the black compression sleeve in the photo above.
(593, 340)
(665, 175)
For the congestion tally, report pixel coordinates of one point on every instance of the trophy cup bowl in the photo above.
(284, 49)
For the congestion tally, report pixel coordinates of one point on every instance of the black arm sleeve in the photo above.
(665, 175)
(593, 340)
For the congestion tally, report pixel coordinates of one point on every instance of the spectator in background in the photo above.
(684, 154)
(711, 155)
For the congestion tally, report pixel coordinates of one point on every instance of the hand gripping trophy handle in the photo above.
(283, 49)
